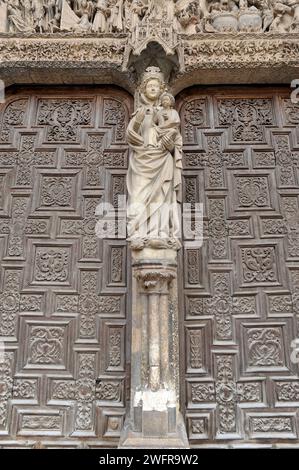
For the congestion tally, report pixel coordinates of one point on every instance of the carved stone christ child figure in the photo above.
(154, 175)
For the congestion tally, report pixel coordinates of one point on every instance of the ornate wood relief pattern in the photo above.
(62, 290)
(241, 288)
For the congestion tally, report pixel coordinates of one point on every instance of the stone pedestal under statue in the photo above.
(154, 419)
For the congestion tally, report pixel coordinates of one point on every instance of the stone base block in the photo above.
(135, 440)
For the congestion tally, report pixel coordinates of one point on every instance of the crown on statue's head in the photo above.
(153, 73)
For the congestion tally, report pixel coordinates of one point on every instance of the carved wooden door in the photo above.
(63, 290)
(241, 289)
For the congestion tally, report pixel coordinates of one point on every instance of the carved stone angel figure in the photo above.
(154, 175)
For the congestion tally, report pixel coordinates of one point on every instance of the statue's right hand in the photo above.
(140, 115)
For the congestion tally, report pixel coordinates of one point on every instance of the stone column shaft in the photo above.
(154, 341)
(164, 342)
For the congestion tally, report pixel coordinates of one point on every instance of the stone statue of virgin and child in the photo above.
(154, 175)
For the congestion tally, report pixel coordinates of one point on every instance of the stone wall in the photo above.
(109, 41)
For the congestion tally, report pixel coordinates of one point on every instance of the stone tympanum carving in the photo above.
(154, 175)
(140, 17)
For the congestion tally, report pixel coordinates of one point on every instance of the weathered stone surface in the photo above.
(211, 59)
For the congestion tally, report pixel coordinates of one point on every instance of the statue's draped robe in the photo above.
(100, 21)
(153, 180)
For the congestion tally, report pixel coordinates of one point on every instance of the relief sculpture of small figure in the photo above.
(100, 18)
(84, 12)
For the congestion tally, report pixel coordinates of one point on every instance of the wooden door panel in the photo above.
(241, 160)
(63, 300)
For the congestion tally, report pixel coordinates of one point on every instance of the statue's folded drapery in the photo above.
(154, 181)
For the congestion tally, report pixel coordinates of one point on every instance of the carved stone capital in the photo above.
(155, 280)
